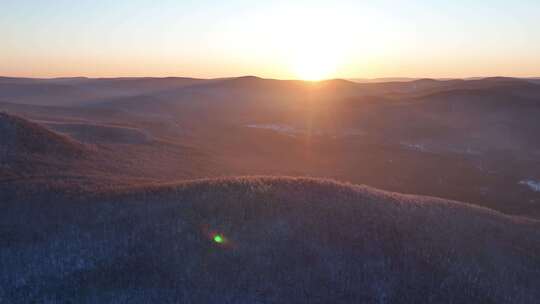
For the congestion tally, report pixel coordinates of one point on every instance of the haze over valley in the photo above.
(468, 140)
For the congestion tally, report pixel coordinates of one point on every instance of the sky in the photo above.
(273, 39)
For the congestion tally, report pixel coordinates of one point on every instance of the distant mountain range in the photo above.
(407, 79)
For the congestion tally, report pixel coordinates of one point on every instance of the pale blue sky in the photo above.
(281, 39)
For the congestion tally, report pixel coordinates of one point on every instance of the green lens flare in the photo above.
(218, 239)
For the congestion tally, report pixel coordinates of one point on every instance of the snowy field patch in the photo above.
(276, 127)
(414, 146)
(534, 185)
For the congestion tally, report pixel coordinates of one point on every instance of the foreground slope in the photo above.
(285, 240)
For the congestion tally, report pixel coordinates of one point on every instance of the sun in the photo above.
(315, 65)
(315, 58)
(312, 43)
(316, 47)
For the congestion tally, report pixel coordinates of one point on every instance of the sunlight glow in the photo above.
(317, 45)
(308, 43)
(315, 65)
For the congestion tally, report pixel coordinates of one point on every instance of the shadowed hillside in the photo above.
(92, 133)
(281, 240)
(20, 138)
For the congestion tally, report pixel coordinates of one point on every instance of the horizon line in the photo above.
(389, 78)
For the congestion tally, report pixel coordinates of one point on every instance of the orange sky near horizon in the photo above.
(308, 40)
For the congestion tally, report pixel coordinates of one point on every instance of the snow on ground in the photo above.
(414, 146)
(433, 147)
(276, 127)
(294, 131)
(286, 129)
(534, 185)
(468, 150)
